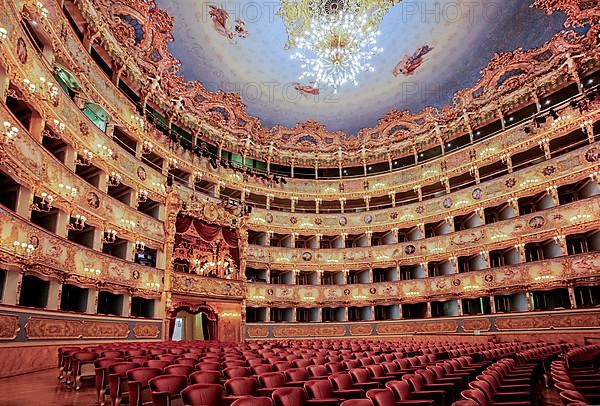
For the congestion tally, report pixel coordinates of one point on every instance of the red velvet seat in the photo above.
(294, 396)
(212, 377)
(157, 363)
(323, 389)
(208, 366)
(418, 385)
(385, 397)
(112, 354)
(185, 361)
(357, 402)
(362, 379)
(179, 369)
(334, 367)
(240, 387)
(253, 401)
(261, 369)
(167, 357)
(302, 363)
(296, 376)
(83, 367)
(404, 393)
(101, 371)
(282, 365)
(202, 394)
(377, 373)
(269, 382)
(343, 381)
(117, 381)
(317, 372)
(166, 389)
(137, 383)
(495, 397)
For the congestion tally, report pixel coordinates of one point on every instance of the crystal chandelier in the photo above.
(337, 49)
(335, 40)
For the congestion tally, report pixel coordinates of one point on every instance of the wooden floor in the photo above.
(42, 389)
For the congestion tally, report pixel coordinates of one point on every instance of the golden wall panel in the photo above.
(412, 327)
(360, 330)
(322, 330)
(553, 321)
(146, 330)
(47, 328)
(470, 325)
(257, 331)
(9, 327)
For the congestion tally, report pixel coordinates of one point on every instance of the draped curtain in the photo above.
(208, 233)
(210, 323)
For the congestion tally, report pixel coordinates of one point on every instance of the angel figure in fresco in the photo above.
(410, 63)
(306, 90)
(220, 19)
(177, 104)
(154, 83)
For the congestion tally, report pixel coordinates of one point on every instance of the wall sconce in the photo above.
(10, 133)
(580, 218)
(472, 287)
(139, 121)
(423, 265)
(140, 246)
(159, 186)
(230, 314)
(46, 90)
(153, 285)
(105, 151)
(142, 195)
(560, 240)
(544, 278)
(71, 190)
(109, 236)
(173, 164)
(129, 224)
(114, 179)
(147, 147)
(413, 293)
(197, 176)
(45, 203)
(84, 158)
(43, 11)
(92, 271)
(77, 223)
(23, 248)
(595, 176)
(3, 34)
(59, 126)
(551, 189)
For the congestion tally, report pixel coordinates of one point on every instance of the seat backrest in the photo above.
(296, 374)
(202, 394)
(319, 389)
(357, 402)
(261, 369)
(376, 370)
(572, 396)
(253, 401)
(171, 384)
(167, 357)
(112, 354)
(179, 370)
(381, 397)
(207, 366)
(212, 377)
(484, 387)
(360, 375)
(289, 396)
(241, 386)
(282, 365)
(143, 374)
(341, 380)
(235, 372)
(401, 389)
(121, 368)
(272, 379)
(334, 367)
(302, 363)
(157, 363)
(476, 395)
(317, 370)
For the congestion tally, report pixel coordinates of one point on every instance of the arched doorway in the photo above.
(193, 322)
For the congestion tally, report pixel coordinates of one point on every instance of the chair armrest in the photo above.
(349, 393)
(265, 392)
(160, 398)
(134, 388)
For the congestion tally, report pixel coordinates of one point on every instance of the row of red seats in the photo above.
(577, 386)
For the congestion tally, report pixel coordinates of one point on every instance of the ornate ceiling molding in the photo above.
(506, 82)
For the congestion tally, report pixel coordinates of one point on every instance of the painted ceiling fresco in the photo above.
(431, 49)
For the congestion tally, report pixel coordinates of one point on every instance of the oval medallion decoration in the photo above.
(22, 51)
(188, 282)
(270, 292)
(510, 183)
(489, 277)
(306, 256)
(447, 203)
(409, 249)
(549, 170)
(368, 219)
(394, 215)
(141, 173)
(477, 193)
(136, 275)
(93, 200)
(592, 154)
(343, 221)
(346, 291)
(269, 218)
(420, 209)
(456, 282)
(318, 221)
(34, 240)
(293, 220)
(373, 291)
(537, 222)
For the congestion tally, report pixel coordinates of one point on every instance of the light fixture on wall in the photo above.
(77, 222)
(23, 248)
(147, 147)
(138, 121)
(153, 285)
(173, 163)
(105, 151)
(45, 203)
(109, 236)
(71, 191)
(10, 133)
(43, 89)
(3, 34)
(92, 271)
(41, 9)
(140, 246)
(128, 224)
(142, 196)
(114, 179)
(84, 158)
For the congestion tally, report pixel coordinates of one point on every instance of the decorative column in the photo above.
(459, 307)
(392, 195)
(370, 275)
(561, 240)
(172, 208)
(319, 314)
(372, 312)
(521, 250)
(552, 191)
(269, 236)
(485, 255)
(400, 311)
(398, 276)
(428, 312)
(588, 128)
(294, 314)
(318, 236)
(293, 238)
(293, 201)
(507, 160)
(346, 313)
(480, 212)
(342, 203)
(492, 304)
(544, 144)
(267, 314)
(528, 298)
(368, 203)
(318, 201)
(316, 169)
(474, 171)
(421, 228)
(345, 272)
(454, 262)
(450, 222)
(513, 202)
(268, 274)
(395, 233)
(419, 192)
(369, 235)
(572, 299)
(319, 277)
(269, 199)
(446, 183)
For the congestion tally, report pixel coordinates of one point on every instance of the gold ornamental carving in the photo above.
(9, 327)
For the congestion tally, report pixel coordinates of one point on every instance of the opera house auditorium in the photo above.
(299, 202)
